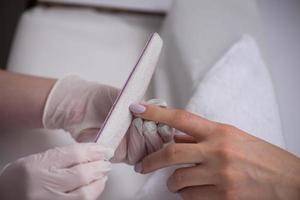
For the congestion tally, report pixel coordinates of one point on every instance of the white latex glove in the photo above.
(80, 107)
(74, 172)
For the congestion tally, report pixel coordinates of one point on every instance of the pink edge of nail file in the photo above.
(119, 118)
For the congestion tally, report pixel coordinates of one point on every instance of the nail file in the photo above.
(119, 118)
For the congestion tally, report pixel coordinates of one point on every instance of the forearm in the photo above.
(22, 99)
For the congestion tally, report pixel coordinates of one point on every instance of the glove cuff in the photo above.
(64, 106)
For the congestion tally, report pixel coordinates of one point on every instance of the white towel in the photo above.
(237, 90)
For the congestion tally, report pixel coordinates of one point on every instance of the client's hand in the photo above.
(80, 107)
(224, 162)
(72, 172)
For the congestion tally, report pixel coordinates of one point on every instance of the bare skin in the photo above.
(22, 99)
(226, 163)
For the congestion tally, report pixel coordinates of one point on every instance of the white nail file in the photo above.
(119, 118)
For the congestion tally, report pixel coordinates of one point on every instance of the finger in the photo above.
(165, 132)
(200, 192)
(136, 142)
(121, 152)
(184, 177)
(152, 139)
(184, 139)
(132, 147)
(68, 156)
(90, 192)
(184, 121)
(173, 154)
(80, 175)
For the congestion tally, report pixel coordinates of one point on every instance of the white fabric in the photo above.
(237, 90)
(196, 34)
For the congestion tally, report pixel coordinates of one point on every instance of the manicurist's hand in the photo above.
(225, 162)
(80, 107)
(73, 172)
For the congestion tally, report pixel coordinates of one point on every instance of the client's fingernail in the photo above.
(138, 168)
(137, 108)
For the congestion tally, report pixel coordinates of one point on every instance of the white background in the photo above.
(281, 20)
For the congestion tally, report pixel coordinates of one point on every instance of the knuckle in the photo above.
(77, 155)
(228, 178)
(172, 152)
(224, 175)
(224, 152)
(181, 116)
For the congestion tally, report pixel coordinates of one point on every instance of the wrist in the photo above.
(67, 104)
(22, 99)
(289, 182)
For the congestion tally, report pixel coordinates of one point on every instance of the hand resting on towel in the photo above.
(223, 162)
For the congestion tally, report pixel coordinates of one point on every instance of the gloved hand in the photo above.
(80, 107)
(72, 172)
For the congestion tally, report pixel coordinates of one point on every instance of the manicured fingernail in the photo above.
(137, 108)
(138, 168)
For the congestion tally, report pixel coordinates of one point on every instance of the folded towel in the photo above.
(238, 90)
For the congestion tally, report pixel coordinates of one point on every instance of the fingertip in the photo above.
(138, 168)
(104, 166)
(137, 108)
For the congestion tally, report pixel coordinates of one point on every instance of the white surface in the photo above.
(238, 85)
(281, 19)
(119, 118)
(161, 6)
(97, 46)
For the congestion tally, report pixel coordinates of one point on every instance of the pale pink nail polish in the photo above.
(137, 108)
